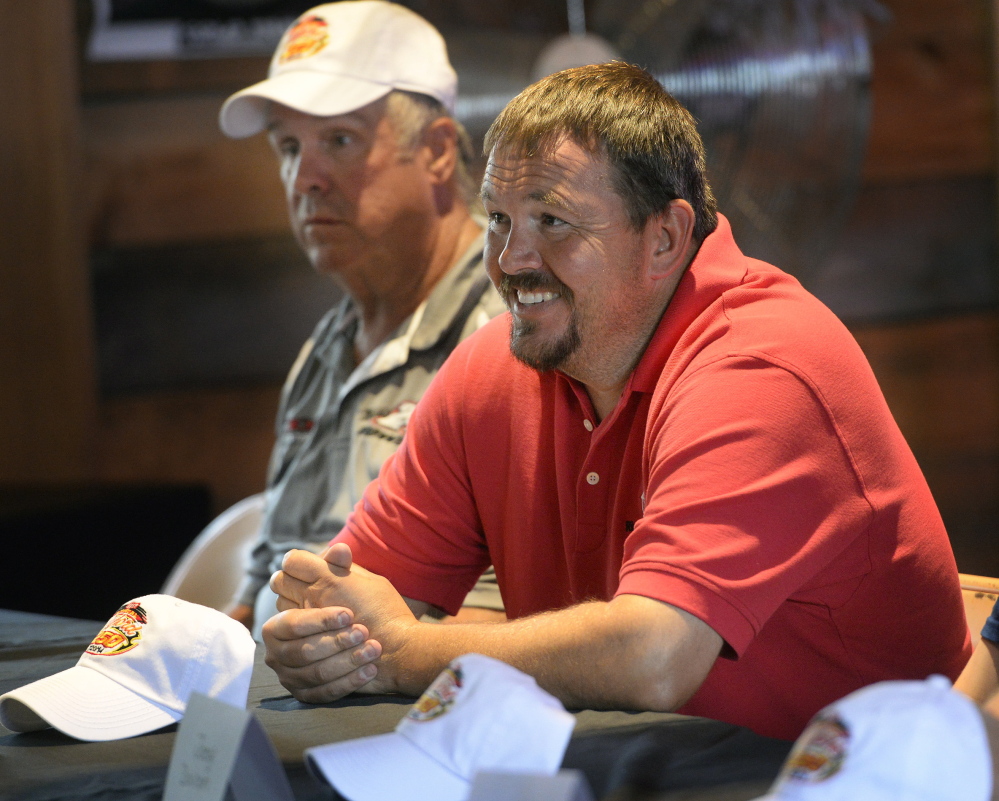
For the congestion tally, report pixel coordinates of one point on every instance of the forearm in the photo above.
(630, 653)
(258, 573)
(980, 678)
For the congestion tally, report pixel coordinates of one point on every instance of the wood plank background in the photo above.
(109, 172)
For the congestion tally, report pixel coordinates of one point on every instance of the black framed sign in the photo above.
(138, 30)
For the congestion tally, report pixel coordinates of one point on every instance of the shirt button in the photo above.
(592, 478)
(587, 425)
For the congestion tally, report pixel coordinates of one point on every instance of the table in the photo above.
(625, 756)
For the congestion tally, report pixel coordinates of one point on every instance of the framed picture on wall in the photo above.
(144, 30)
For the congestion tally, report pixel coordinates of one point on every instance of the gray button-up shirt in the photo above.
(337, 423)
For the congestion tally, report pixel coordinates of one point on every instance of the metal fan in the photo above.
(780, 89)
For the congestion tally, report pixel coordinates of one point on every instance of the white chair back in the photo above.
(210, 570)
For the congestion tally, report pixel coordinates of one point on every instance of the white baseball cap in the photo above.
(338, 57)
(478, 715)
(892, 741)
(138, 673)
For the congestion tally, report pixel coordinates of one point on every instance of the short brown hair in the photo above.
(620, 111)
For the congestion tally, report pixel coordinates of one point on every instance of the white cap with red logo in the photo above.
(480, 714)
(892, 741)
(339, 57)
(139, 672)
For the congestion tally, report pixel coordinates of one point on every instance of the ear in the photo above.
(440, 143)
(670, 236)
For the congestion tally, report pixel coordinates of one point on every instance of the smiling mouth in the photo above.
(526, 298)
(531, 290)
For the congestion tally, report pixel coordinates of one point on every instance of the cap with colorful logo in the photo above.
(890, 741)
(138, 673)
(480, 714)
(338, 57)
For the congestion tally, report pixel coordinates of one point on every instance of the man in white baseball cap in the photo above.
(358, 106)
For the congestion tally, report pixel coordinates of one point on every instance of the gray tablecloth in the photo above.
(648, 756)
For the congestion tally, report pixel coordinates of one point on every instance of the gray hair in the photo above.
(411, 113)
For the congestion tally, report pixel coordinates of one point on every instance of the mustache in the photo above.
(533, 281)
(309, 206)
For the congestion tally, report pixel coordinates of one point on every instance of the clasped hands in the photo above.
(337, 628)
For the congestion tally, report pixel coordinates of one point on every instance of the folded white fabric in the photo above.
(138, 673)
(478, 715)
(897, 741)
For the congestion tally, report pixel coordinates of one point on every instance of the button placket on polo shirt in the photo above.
(591, 493)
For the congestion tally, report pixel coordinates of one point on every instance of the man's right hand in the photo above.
(321, 655)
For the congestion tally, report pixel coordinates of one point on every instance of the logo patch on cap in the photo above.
(121, 633)
(306, 38)
(820, 752)
(438, 698)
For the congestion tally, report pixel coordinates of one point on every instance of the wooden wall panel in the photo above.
(932, 91)
(219, 438)
(47, 384)
(158, 170)
(941, 380)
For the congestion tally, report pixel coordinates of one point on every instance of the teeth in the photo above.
(527, 298)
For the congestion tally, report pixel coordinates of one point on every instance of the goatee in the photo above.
(540, 355)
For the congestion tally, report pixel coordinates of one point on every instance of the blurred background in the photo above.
(152, 298)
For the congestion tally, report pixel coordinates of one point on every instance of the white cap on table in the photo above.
(480, 714)
(138, 673)
(895, 740)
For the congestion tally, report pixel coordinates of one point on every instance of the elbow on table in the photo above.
(662, 693)
(670, 653)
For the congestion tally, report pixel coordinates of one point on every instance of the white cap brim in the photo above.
(384, 766)
(84, 704)
(317, 93)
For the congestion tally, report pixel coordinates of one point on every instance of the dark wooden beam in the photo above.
(47, 384)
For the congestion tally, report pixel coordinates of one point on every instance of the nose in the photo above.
(518, 252)
(308, 173)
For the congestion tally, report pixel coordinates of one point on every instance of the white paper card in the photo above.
(219, 746)
(566, 785)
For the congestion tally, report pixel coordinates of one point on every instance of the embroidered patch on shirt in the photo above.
(439, 697)
(306, 38)
(122, 632)
(391, 425)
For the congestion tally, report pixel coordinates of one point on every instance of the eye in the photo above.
(551, 221)
(341, 139)
(497, 221)
(285, 146)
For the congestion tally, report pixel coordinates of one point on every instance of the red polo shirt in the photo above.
(751, 474)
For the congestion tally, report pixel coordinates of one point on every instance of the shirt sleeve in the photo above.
(990, 631)
(257, 573)
(750, 495)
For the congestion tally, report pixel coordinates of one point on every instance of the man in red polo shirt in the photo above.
(679, 461)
